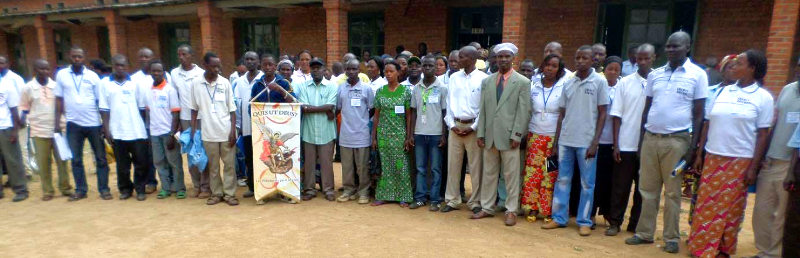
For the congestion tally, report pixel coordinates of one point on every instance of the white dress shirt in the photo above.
(464, 97)
(183, 83)
(628, 105)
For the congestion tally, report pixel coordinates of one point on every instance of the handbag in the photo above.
(552, 164)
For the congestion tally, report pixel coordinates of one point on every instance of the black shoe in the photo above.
(476, 210)
(124, 196)
(612, 230)
(416, 205)
(671, 247)
(141, 196)
(76, 196)
(448, 208)
(248, 194)
(19, 197)
(106, 196)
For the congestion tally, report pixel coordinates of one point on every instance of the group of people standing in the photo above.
(522, 135)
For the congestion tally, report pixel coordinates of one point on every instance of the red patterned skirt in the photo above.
(537, 188)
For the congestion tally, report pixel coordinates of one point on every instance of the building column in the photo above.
(515, 20)
(44, 38)
(117, 39)
(336, 28)
(780, 44)
(210, 27)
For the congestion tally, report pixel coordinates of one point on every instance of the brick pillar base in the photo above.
(515, 17)
(44, 38)
(782, 30)
(336, 28)
(116, 33)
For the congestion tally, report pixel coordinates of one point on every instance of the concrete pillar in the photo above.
(117, 35)
(44, 38)
(210, 29)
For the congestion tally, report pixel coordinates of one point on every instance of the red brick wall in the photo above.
(782, 33)
(426, 21)
(86, 37)
(302, 28)
(719, 28)
(570, 22)
(143, 33)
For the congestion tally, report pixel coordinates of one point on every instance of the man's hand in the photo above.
(689, 157)
(617, 155)
(57, 129)
(591, 152)
(274, 87)
(330, 114)
(697, 166)
(789, 184)
(442, 141)
(514, 144)
(466, 131)
(481, 142)
(374, 143)
(171, 143)
(109, 138)
(13, 138)
(231, 140)
(456, 130)
(751, 174)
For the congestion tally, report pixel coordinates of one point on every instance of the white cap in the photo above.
(506, 46)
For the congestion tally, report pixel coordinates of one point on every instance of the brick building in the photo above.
(31, 29)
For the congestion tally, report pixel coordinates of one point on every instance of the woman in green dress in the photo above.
(389, 136)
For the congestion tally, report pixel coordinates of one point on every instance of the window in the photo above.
(172, 35)
(483, 25)
(626, 23)
(366, 33)
(17, 47)
(103, 44)
(63, 43)
(259, 35)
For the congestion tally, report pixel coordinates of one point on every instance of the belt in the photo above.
(678, 133)
(465, 121)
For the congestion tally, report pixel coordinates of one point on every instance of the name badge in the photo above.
(161, 102)
(219, 97)
(355, 102)
(399, 109)
(793, 117)
(126, 95)
(433, 99)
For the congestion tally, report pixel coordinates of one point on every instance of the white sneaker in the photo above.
(363, 200)
(344, 197)
(242, 182)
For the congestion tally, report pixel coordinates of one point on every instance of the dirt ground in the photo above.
(189, 228)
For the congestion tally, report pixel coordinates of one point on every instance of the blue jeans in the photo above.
(240, 165)
(426, 147)
(76, 135)
(567, 156)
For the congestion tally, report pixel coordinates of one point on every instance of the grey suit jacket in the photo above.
(506, 119)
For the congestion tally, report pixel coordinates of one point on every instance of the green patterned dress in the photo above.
(395, 182)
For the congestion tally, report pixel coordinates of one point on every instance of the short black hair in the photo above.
(207, 57)
(585, 47)
(393, 63)
(757, 60)
(613, 59)
(187, 47)
(155, 61)
(98, 64)
(304, 51)
(266, 55)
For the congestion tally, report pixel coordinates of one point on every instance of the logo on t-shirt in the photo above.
(741, 100)
(682, 91)
(588, 91)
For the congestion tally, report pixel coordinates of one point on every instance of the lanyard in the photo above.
(544, 110)
(77, 84)
(211, 95)
(425, 94)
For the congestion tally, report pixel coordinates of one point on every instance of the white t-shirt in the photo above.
(161, 101)
(14, 80)
(607, 135)
(544, 117)
(377, 84)
(241, 97)
(673, 93)
(299, 77)
(9, 98)
(182, 81)
(142, 79)
(214, 100)
(734, 119)
(628, 106)
(79, 92)
(123, 101)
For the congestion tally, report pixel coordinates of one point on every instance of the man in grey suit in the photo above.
(505, 110)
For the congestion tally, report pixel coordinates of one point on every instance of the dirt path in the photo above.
(184, 228)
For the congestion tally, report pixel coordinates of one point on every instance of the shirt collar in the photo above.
(83, 69)
(507, 74)
(161, 85)
(751, 88)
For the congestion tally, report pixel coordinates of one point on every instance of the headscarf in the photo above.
(286, 61)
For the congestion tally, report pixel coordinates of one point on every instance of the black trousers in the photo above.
(248, 160)
(625, 173)
(127, 152)
(603, 178)
(791, 229)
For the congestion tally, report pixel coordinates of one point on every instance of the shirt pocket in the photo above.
(684, 88)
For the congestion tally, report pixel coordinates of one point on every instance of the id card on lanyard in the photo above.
(77, 84)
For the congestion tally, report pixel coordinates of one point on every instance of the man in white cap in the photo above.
(505, 110)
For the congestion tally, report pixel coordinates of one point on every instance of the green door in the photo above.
(172, 36)
(365, 33)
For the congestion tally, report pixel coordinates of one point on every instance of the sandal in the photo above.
(213, 200)
(404, 204)
(163, 194)
(180, 195)
(377, 203)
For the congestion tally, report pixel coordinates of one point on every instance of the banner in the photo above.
(276, 149)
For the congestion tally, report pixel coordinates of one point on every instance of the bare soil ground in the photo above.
(190, 228)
